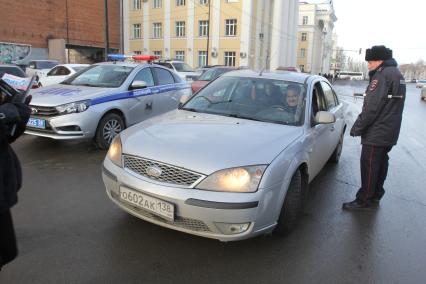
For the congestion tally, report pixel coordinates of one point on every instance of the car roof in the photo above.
(44, 60)
(123, 63)
(9, 65)
(277, 75)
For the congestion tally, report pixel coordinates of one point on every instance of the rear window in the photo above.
(46, 64)
(164, 77)
(15, 71)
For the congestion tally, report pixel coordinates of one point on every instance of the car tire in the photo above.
(335, 157)
(110, 125)
(292, 205)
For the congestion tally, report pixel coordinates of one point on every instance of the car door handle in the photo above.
(332, 128)
(148, 105)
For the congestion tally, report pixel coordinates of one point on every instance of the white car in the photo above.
(181, 68)
(59, 73)
(40, 68)
(421, 83)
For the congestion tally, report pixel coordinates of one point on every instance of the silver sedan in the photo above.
(232, 162)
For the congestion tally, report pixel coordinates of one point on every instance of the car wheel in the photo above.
(109, 126)
(292, 205)
(338, 151)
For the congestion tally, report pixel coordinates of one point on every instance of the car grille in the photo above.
(169, 174)
(43, 111)
(185, 223)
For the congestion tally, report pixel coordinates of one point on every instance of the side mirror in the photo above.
(138, 85)
(324, 117)
(183, 99)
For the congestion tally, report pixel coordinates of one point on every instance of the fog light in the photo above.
(232, 229)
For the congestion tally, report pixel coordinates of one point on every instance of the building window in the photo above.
(231, 27)
(202, 58)
(180, 55)
(304, 36)
(203, 29)
(302, 68)
(137, 52)
(157, 30)
(180, 29)
(136, 31)
(305, 20)
(302, 52)
(230, 58)
(180, 2)
(136, 5)
(204, 2)
(158, 53)
(157, 4)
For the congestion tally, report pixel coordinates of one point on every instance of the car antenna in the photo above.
(261, 71)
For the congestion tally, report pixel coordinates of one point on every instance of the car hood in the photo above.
(206, 143)
(59, 94)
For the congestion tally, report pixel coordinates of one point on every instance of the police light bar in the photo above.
(122, 57)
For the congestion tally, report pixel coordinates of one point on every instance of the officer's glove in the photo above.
(9, 113)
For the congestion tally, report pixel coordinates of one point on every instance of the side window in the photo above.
(329, 96)
(64, 71)
(145, 75)
(318, 101)
(164, 77)
(53, 72)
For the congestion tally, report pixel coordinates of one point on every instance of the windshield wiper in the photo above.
(243, 117)
(191, 109)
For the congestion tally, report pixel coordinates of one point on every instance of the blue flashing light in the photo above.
(117, 57)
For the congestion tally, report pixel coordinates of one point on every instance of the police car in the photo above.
(102, 100)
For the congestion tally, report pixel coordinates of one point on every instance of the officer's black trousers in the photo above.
(8, 249)
(374, 169)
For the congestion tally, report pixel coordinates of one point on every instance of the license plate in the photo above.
(151, 204)
(36, 123)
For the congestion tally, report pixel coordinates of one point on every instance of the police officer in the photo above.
(14, 115)
(378, 124)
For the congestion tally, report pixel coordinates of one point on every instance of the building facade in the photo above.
(315, 37)
(57, 30)
(254, 33)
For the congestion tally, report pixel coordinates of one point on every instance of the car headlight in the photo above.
(73, 107)
(114, 151)
(242, 179)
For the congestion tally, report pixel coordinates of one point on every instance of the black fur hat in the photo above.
(378, 52)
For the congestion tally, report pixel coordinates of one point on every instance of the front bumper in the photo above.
(197, 212)
(66, 127)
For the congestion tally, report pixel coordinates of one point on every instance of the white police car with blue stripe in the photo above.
(100, 101)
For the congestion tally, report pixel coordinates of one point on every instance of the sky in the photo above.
(400, 25)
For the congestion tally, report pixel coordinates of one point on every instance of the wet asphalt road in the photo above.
(69, 232)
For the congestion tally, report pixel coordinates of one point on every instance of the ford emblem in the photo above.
(153, 171)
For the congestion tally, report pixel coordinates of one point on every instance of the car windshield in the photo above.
(267, 100)
(108, 76)
(182, 67)
(212, 74)
(46, 64)
(15, 71)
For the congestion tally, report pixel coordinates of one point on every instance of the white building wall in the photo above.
(283, 33)
(246, 19)
(215, 31)
(189, 56)
(167, 32)
(146, 28)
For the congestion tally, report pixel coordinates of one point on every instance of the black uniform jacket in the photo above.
(10, 168)
(379, 122)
